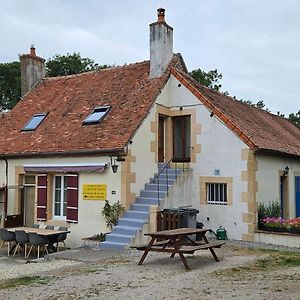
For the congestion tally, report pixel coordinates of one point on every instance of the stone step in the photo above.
(113, 246)
(136, 214)
(132, 222)
(146, 200)
(153, 194)
(155, 186)
(127, 230)
(118, 238)
(140, 207)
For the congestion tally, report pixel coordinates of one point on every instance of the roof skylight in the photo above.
(97, 115)
(34, 122)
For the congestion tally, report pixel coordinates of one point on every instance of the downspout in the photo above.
(6, 192)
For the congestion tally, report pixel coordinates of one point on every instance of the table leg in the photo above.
(213, 253)
(187, 267)
(146, 251)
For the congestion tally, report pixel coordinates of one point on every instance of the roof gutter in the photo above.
(277, 153)
(104, 152)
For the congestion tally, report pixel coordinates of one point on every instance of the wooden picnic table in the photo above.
(49, 233)
(178, 241)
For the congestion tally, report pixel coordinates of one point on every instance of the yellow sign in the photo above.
(94, 192)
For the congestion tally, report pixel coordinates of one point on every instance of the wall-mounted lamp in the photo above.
(211, 114)
(286, 171)
(114, 166)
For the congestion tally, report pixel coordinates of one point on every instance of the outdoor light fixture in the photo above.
(211, 114)
(286, 171)
(114, 166)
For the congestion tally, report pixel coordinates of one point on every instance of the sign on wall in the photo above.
(94, 191)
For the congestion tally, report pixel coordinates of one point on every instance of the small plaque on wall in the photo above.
(94, 192)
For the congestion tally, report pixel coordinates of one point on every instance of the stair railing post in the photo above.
(158, 191)
(167, 182)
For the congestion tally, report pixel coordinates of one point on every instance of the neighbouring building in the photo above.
(61, 144)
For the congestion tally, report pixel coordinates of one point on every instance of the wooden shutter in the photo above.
(41, 213)
(72, 198)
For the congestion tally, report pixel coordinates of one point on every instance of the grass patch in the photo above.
(27, 280)
(275, 260)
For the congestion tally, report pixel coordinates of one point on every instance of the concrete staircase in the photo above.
(138, 214)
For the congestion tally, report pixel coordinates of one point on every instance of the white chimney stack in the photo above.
(161, 45)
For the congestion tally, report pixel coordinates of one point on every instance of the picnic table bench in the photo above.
(178, 241)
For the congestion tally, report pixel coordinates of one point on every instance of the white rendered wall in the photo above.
(220, 149)
(90, 220)
(144, 166)
(269, 181)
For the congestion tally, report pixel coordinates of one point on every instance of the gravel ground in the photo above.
(92, 274)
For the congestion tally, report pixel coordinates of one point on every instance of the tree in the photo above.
(61, 65)
(295, 118)
(10, 84)
(209, 79)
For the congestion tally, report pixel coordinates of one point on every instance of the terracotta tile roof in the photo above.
(259, 129)
(68, 100)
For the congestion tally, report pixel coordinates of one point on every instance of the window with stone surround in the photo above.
(216, 193)
(216, 190)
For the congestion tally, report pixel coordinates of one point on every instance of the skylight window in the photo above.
(97, 115)
(34, 122)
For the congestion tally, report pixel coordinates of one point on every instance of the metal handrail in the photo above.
(156, 178)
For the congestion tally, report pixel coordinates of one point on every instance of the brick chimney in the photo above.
(32, 70)
(161, 44)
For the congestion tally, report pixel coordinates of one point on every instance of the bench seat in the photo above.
(144, 246)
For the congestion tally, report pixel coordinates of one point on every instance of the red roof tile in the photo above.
(68, 100)
(259, 129)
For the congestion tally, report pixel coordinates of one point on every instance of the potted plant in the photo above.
(112, 213)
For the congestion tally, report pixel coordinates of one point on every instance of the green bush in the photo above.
(112, 213)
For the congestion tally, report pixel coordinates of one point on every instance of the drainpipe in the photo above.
(6, 192)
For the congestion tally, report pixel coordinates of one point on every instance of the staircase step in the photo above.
(170, 171)
(163, 181)
(164, 176)
(136, 214)
(118, 238)
(140, 207)
(146, 200)
(132, 222)
(153, 194)
(155, 186)
(113, 245)
(127, 230)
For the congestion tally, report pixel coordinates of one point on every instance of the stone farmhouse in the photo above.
(74, 141)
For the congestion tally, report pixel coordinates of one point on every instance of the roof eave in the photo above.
(272, 152)
(103, 152)
(217, 112)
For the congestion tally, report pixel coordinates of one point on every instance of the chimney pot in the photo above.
(161, 15)
(32, 50)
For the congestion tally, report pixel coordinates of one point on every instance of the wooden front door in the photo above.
(161, 139)
(182, 139)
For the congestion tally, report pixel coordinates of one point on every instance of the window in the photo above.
(216, 193)
(34, 122)
(60, 197)
(97, 115)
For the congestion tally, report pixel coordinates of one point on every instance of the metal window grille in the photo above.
(216, 193)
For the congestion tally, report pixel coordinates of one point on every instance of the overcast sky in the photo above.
(255, 44)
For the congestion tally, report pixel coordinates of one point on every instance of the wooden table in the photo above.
(49, 233)
(178, 241)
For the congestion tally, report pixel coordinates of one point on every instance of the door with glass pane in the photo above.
(60, 197)
(182, 139)
(29, 200)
